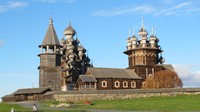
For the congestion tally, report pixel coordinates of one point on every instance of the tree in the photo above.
(163, 79)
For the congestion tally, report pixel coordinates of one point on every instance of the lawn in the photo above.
(4, 107)
(167, 104)
(172, 103)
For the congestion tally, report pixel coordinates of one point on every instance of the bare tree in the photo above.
(163, 79)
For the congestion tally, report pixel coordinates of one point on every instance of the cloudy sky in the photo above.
(102, 27)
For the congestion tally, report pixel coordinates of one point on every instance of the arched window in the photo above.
(125, 84)
(150, 76)
(117, 84)
(104, 84)
(133, 84)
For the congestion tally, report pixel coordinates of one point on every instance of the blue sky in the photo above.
(102, 27)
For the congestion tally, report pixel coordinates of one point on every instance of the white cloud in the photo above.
(56, 1)
(173, 10)
(190, 8)
(182, 9)
(188, 74)
(182, 5)
(12, 5)
(121, 11)
(143, 9)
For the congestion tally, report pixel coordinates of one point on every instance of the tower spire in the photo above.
(142, 22)
(129, 32)
(50, 20)
(152, 31)
(70, 23)
(51, 36)
(133, 30)
(142, 31)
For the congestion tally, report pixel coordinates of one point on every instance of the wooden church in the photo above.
(64, 65)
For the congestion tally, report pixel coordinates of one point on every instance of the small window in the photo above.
(133, 84)
(104, 84)
(117, 84)
(125, 84)
(150, 76)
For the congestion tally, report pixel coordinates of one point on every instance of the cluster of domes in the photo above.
(74, 59)
(133, 42)
(145, 42)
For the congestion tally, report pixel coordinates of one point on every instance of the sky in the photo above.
(102, 26)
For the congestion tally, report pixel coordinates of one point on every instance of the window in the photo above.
(104, 84)
(150, 76)
(117, 84)
(125, 84)
(133, 84)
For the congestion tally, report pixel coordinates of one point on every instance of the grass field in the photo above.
(4, 107)
(166, 104)
(172, 103)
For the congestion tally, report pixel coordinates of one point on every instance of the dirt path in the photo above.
(29, 104)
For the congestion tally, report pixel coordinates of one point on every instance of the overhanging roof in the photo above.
(112, 73)
(87, 78)
(32, 90)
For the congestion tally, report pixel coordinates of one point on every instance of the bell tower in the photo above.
(144, 54)
(50, 59)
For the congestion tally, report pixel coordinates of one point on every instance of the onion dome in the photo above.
(70, 47)
(71, 56)
(142, 32)
(87, 59)
(76, 41)
(128, 40)
(62, 40)
(80, 48)
(134, 38)
(161, 60)
(152, 37)
(69, 30)
(157, 39)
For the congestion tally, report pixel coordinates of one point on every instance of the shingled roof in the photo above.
(112, 73)
(169, 67)
(87, 78)
(32, 90)
(51, 36)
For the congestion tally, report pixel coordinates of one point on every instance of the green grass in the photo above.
(166, 104)
(172, 103)
(4, 107)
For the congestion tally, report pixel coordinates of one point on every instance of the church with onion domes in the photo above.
(64, 65)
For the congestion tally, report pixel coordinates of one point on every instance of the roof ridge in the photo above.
(107, 68)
